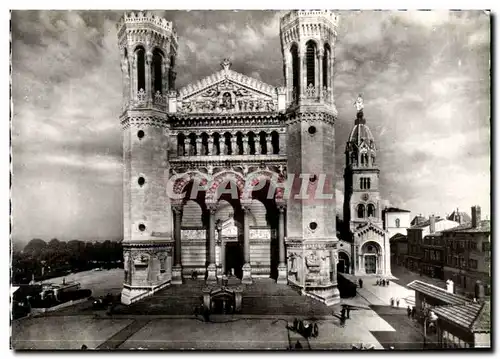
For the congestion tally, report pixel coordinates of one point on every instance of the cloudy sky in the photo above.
(424, 77)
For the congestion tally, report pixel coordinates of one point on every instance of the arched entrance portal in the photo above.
(343, 264)
(371, 254)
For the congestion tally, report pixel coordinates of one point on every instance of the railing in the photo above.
(159, 101)
(311, 91)
(141, 96)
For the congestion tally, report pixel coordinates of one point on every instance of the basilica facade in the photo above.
(229, 175)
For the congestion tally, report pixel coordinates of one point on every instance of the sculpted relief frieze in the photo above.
(227, 97)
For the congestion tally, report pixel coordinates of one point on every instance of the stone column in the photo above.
(177, 268)
(234, 145)
(269, 144)
(247, 268)
(320, 74)
(246, 146)
(288, 77)
(212, 269)
(133, 75)
(302, 74)
(211, 147)
(199, 146)
(222, 145)
(125, 79)
(354, 258)
(187, 146)
(164, 76)
(147, 70)
(223, 256)
(282, 275)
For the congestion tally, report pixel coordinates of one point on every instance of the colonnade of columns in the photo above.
(323, 63)
(212, 269)
(237, 143)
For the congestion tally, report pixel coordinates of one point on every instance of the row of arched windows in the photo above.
(311, 67)
(364, 183)
(366, 212)
(228, 144)
(156, 69)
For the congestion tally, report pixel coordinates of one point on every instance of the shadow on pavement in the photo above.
(405, 337)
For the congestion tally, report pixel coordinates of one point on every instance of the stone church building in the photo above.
(364, 248)
(192, 154)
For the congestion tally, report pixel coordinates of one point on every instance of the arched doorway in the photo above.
(343, 263)
(371, 253)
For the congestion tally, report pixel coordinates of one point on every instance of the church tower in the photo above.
(361, 175)
(307, 42)
(148, 47)
(370, 250)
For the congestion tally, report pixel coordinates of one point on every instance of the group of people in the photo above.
(394, 301)
(383, 282)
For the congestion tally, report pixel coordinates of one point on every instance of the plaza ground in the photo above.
(166, 320)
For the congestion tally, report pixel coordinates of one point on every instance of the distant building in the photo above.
(460, 217)
(399, 248)
(468, 253)
(396, 220)
(416, 234)
(418, 220)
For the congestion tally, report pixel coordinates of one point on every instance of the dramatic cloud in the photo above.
(424, 77)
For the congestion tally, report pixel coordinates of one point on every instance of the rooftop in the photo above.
(484, 227)
(395, 209)
(438, 293)
(426, 223)
(458, 216)
(418, 219)
(472, 316)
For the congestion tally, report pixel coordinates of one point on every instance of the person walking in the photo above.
(413, 312)
(360, 283)
(348, 310)
(408, 310)
(378, 282)
(397, 302)
(392, 301)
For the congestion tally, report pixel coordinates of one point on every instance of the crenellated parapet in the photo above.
(318, 25)
(146, 28)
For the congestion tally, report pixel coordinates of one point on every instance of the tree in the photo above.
(35, 246)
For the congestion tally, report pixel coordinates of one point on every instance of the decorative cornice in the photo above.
(367, 227)
(148, 244)
(193, 162)
(154, 121)
(257, 120)
(296, 117)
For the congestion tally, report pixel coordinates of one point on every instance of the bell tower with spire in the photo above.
(307, 42)
(148, 47)
(361, 175)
